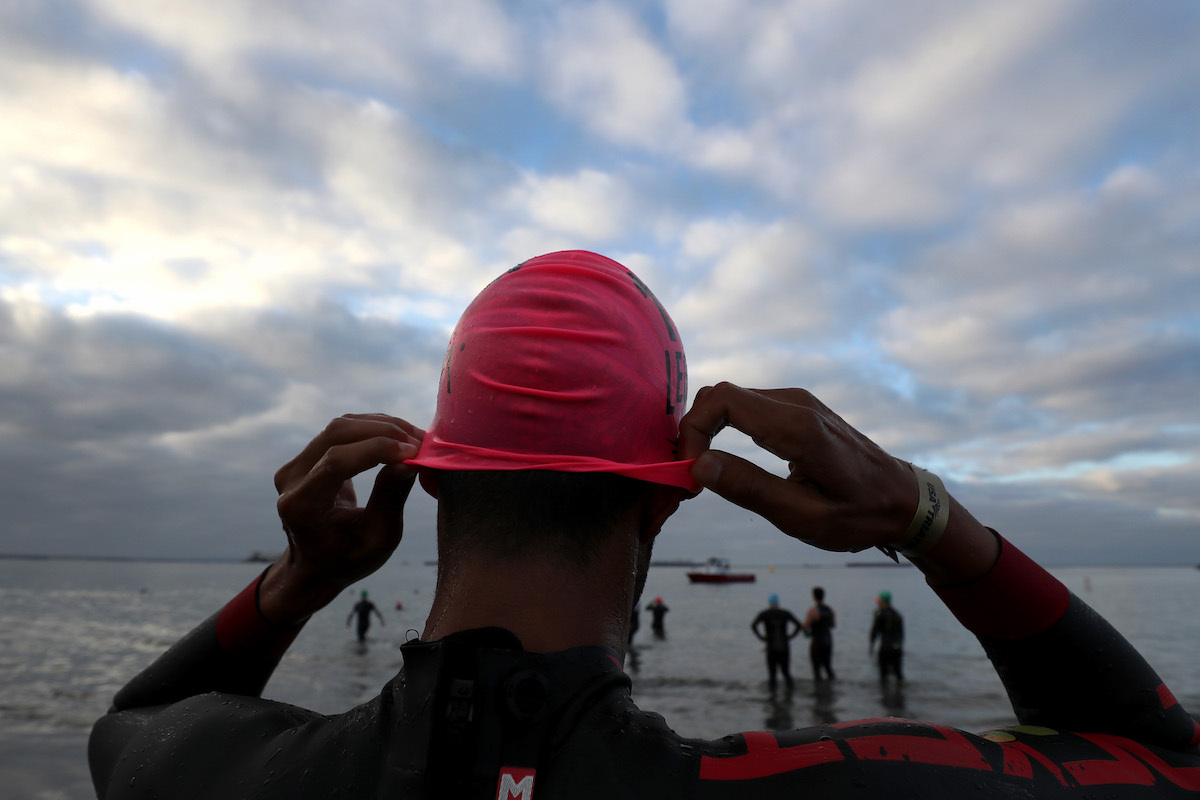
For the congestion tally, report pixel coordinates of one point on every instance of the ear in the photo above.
(428, 479)
(660, 503)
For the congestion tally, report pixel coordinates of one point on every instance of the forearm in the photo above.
(1081, 674)
(234, 651)
(1063, 665)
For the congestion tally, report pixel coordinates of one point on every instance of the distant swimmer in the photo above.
(775, 622)
(635, 619)
(364, 608)
(819, 624)
(888, 628)
(658, 609)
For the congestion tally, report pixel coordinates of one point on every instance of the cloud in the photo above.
(89, 380)
(601, 66)
(906, 117)
(762, 282)
(1091, 290)
(971, 230)
(144, 432)
(590, 205)
(124, 226)
(408, 45)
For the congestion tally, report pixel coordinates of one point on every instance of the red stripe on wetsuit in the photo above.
(242, 629)
(1015, 599)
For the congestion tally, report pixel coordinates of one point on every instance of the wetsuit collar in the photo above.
(483, 703)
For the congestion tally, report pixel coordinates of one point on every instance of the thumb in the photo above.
(390, 492)
(748, 485)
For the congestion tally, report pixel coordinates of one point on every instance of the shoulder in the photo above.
(215, 745)
(618, 750)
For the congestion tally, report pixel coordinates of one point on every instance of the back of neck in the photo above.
(548, 606)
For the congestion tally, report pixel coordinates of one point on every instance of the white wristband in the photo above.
(933, 511)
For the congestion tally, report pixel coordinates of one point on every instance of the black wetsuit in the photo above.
(820, 649)
(888, 627)
(658, 611)
(776, 623)
(364, 608)
(472, 716)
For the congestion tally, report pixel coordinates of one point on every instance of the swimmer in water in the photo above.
(888, 628)
(818, 625)
(364, 608)
(658, 611)
(779, 627)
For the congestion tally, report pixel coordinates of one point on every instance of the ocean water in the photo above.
(72, 632)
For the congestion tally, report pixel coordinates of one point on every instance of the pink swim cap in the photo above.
(566, 362)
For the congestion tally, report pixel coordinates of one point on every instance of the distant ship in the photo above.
(718, 570)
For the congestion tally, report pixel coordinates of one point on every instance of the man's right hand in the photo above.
(332, 542)
(843, 492)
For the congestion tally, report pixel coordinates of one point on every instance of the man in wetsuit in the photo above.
(779, 627)
(658, 612)
(364, 608)
(888, 628)
(818, 625)
(515, 687)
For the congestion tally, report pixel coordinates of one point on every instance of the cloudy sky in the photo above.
(973, 229)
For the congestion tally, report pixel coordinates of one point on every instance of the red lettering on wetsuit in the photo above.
(1131, 764)
(955, 750)
(1168, 701)
(1128, 765)
(765, 758)
(1017, 757)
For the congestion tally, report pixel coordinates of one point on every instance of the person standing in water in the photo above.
(888, 628)
(779, 627)
(819, 624)
(658, 610)
(364, 608)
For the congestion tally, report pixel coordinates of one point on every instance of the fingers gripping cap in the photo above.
(568, 363)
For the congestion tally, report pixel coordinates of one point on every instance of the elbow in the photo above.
(103, 754)
(108, 743)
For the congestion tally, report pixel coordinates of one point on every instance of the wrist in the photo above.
(928, 523)
(288, 595)
(242, 628)
(966, 551)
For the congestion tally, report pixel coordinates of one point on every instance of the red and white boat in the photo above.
(718, 570)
